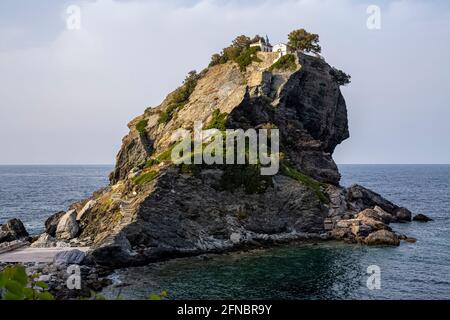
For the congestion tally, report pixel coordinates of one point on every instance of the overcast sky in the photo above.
(67, 95)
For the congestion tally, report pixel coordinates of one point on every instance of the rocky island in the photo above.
(154, 209)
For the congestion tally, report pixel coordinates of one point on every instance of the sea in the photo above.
(312, 271)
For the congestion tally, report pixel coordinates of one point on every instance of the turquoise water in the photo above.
(323, 271)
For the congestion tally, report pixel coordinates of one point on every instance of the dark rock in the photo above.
(52, 222)
(362, 198)
(402, 215)
(422, 218)
(64, 258)
(114, 252)
(13, 230)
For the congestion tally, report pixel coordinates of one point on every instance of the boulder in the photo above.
(67, 226)
(386, 217)
(362, 230)
(382, 237)
(69, 257)
(44, 241)
(372, 219)
(402, 215)
(88, 206)
(114, 251)
(12, 230)
(362, 198)
(422, 218)
(52, 223)
(410, 239)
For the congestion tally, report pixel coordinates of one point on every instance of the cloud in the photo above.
(66, 96)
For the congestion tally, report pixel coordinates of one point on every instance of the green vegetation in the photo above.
(15, 284)
(302, 40)
(246, 175)
(218, 121)
(340, 76)
(239, 51)
(145, 177)
(180, 97)
(309, 182)
(286, 62)
(141, 126)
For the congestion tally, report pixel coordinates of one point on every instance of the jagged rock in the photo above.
(88, 206)
(44, 241)
(386, 217)
(362, 230)
(12, 230)
(362, 198)
(382, 237)
(371, 218)
(67, 226)
(114, 251)
(69, 257)
(52, 223)
(422, 218)
(402, 215)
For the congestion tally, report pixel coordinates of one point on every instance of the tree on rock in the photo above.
(303, 40)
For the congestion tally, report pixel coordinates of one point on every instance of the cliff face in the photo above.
(306, 105)
(154, 209)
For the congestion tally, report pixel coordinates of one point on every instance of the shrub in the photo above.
(286, 62)
(141, 126)
(145, 177)
(16, 285)
(218, 121)
(302, 40)
(239, 51)
(340, 77)
(307, 181)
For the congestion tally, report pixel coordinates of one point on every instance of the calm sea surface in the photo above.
(324, 271)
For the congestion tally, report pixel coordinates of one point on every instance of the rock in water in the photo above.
(154, 209)
(382, 237)
(422, 218)
(402, 215)
(67, 226)
(12, 230)
(52, 223)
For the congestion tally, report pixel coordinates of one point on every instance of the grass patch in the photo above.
(286, 62)
(218, 121)
(309, 182)
(141, 126)
(145, 177)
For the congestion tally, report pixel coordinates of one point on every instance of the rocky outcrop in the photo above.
(67, 227)
(154, 209)
(12, 230)
(52, 223)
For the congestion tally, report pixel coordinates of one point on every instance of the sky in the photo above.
(66, 95)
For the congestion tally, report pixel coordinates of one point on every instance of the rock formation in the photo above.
(154, 209)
